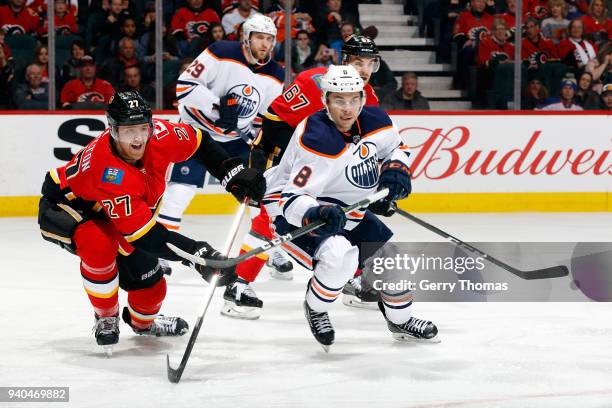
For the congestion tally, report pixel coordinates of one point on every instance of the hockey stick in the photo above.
(174, 374)
(546, 273)
(228, 263)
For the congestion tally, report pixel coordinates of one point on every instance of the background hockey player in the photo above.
(333, 160)
(225, 92)
(101, 206)
(301, 99)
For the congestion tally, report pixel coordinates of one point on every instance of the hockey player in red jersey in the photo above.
(300, 99)
(102, 207)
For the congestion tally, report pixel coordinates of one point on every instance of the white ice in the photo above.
(491, 354)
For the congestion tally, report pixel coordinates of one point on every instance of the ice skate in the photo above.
(320, 326)
(280, 267)
(355, 295)
(106, 331)
(413, 330)
(161, 326)
(241, 302)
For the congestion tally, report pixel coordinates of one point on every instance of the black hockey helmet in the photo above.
(128, 108)
(360, 46)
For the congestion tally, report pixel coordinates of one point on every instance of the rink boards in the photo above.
(461, 162)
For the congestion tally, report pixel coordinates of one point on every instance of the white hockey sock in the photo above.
(320, 297)
(176, 200)
(398, 306)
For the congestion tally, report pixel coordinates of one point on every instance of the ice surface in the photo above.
(491, 354)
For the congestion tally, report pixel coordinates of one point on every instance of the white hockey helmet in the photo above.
(342, 79)
(258, 23)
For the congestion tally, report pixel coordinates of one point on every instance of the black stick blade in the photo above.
(546, 273)
(174, 376)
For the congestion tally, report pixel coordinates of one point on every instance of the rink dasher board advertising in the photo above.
(460, 162)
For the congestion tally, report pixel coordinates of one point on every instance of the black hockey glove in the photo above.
(204, 250)
(228, 113)
(241, 181)
(334, 218)
(395, 176)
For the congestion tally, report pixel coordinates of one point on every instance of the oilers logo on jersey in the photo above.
(362, 172)
(248, 99)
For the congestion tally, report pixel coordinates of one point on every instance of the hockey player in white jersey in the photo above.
(333, 160)
(225, 91)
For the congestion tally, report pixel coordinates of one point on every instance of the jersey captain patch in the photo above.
(248, 99)
(362, 171)
(112, 175)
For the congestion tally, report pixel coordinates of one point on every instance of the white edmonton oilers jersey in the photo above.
(324, 166)
(222, 69)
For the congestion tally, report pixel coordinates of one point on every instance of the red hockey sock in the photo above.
(144, 304)
(260, 227)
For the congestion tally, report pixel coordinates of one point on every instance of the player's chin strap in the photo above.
(228, 263)
(546, 273)
(247, 45)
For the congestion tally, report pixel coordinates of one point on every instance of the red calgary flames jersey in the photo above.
(303, 97)
(76, 91)
(24, 22)
(490, 50)
(475, 28)
(193, 24)
(129, 194)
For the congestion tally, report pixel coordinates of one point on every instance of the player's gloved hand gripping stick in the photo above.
(228, 263)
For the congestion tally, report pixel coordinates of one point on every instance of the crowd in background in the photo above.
(108, 45)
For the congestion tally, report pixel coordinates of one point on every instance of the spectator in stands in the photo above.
(112, 68)
(606, 97)
(191, 22)
(41, 58)
(87, 91)
(346, 30)
(33, 93)
(448, 13)
(537, 9)
(471, 27)
(597, 26)
(170, 101)
(332, 17)
(534, 95)
(555, 27)
(232, 19)
(585, 96)
(299, 21)
(536, 50)
(65, 22)
(70, 69)
(16, 18)
(129, 30)
(510, 18)
(576, 8)
(575, 51)
(601, 67)
(303, 52)
(147, 46)
(407, 97)
(228, 5)
(566, 98)
(6, 79)
(325, 57)
(495, 50)
(496, 62)
(105, 25)
(132, 81)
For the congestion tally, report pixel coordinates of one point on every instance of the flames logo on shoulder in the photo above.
(13, 29)
(363, 170)
(248, 99)
(91, 97)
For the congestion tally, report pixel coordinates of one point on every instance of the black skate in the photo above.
(320, 326)
(161, 326)
(106, 331)
(165, 267)
(281, 267)
(355, 295)
(413, 330)
(241, 302)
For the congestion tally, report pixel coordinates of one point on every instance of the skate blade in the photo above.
(240, 312)
(281, 275)
(326, 348)
(405, 338)
(108, 351)
(354, 301)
